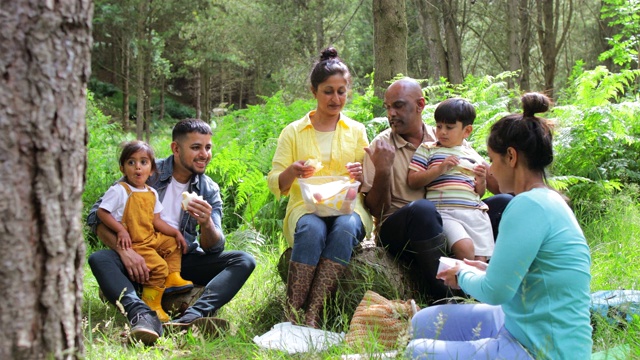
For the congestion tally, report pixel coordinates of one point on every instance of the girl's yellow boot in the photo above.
(175, 284)
(152, 296)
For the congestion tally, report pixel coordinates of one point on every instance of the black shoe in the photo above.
(145, 327)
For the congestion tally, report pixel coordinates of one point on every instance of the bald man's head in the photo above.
(408, 85)
(404, 103)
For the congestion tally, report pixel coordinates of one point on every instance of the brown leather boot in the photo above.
(324, 284)
(298, 284)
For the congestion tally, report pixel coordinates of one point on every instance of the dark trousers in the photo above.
(222, 274)
(414, 233)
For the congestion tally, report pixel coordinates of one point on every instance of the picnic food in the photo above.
(187, 197)
(466, 167)
(329, 195)
(317, 164)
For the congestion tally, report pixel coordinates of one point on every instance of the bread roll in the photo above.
(466, 167)
(187, 197)
(317, 164)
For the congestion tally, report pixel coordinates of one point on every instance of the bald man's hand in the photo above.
(382, 155)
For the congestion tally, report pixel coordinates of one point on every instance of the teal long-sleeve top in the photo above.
(540, 274)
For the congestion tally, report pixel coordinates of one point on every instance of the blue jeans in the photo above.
(332, 238)
(463, 331)
(222, 274)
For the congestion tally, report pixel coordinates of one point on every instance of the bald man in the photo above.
(408, 225)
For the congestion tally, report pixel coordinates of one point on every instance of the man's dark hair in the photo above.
(456, 109)
(188, 126)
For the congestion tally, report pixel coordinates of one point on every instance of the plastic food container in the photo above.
(329, 195)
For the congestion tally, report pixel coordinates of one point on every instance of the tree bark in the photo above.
(525, 44)
(198, 94)
(453, 41)
(513, 43)
(126, 57)
(389, 42)
(430, 29)
(549, 14)
(45, 66)
(140, 65)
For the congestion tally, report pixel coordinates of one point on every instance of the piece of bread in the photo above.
(187, 197)
(317, 164)
(466, 167)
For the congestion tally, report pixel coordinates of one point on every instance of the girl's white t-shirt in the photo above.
(173, 197)
(115, 199)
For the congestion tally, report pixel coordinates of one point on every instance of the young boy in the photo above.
(455, 178)
(131, 209)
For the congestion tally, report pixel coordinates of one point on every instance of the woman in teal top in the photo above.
(535, 294)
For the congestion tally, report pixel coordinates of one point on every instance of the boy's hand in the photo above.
(449, 163)
(124, 240)
(481, 173)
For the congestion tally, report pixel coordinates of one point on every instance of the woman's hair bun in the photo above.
(328, 54)
(533, 103)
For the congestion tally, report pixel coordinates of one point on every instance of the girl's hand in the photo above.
(124, 240)
(301, 171)
(449, 276)
(182, 243)
(477, 264)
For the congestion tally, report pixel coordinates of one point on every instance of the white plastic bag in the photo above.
(297, 339)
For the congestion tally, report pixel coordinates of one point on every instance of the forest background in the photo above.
(243, 66)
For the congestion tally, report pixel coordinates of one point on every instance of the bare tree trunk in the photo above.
(45, 65)
(320, 45)
(147, 88)
(525, 44)
(140, 65)
(147, 106)
(126, 58)
(452, 38)
(198, 95)
(162, 93)
(389, 42)
(549, 14)
(512, 37)
(430, 29)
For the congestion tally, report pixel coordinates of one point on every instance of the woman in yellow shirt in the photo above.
(322, 246)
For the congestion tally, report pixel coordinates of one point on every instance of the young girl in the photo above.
(132, 210)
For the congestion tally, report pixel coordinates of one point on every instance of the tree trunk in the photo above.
(140, 65)
(453, 41)
(147, 89)
(162, 94)
(430, 29)
(549, 14)
(45, 65)
(319, 27)
(198, 95)
(126, 57)
(525, 44)
(389, 42)
(512, 37)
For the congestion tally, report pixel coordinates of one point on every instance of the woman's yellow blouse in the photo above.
(297, 141)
